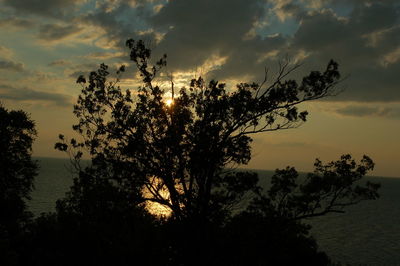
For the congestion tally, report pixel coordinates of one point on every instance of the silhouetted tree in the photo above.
(17, 172)
(329, 189)
(183, 146)
(177, 151)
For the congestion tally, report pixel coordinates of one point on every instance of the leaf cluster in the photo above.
(329, 189)
(145, 147)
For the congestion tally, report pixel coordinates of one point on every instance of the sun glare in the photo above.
(169, 102)
(156, 208)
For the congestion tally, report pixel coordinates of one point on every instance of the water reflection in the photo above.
(156, 189)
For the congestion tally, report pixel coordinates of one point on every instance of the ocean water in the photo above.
(367, 234)
(53, 181)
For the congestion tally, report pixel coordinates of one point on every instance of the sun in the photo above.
(169, 102)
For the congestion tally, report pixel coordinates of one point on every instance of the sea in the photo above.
(366, 234)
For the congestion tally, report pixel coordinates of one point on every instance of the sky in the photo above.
(46, 44)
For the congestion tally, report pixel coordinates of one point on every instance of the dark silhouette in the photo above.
(177, 152)
(184, 144)
(17, 172)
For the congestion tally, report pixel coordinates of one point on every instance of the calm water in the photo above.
(367, 234)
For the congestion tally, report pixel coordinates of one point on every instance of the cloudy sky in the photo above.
(46, 44)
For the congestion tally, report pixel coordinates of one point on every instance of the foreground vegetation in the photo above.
(176, 151)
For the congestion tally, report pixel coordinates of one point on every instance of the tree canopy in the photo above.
(180, 149)
(17, 172)
(177, 151)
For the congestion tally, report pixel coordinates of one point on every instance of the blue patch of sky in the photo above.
(274, 26)
(290, 25)
(136, 17)
(341, 9)
(87, 7)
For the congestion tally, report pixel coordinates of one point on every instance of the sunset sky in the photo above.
(46, 44)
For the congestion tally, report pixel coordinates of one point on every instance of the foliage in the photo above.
(109, 236)
(185, 147)
(329, 189)
(179, 152)
(17, 172)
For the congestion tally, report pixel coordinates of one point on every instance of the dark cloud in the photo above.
(363, 36)
(11, 66)
(377, 15)
(372, 83)
(54, 32)
(82, 69)
(353, 37)
(195, 30)
(60, 62)
(17, 22)
(25, 94)
(250, 58)
(370, 111)
(103, 55)
(321, 30)
(365, 42)
(53, 8)
(122, 22)
(78, 73)
(359, 42)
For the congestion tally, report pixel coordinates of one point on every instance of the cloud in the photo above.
(7, 62)
(6, 53)
(77, 74)
(364, 41)
(120, 20)
(363, 36)
(29, 95)
(60, 62)
(81, 69)
(370, 111)
(11, 66)
(359, 42)
(189, 39)
(17, 23)
(52, 8)
(197, 30)
(55, 32)
(104, 55)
